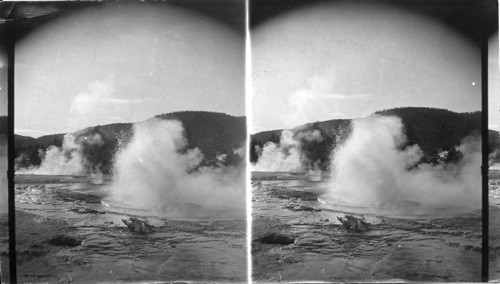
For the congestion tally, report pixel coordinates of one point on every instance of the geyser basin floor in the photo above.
(199, 249)
(418, 248)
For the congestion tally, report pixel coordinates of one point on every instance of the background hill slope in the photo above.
(213, 133)
(434, 130)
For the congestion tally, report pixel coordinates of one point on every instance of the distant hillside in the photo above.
(329, 127)
(332, 132)
(434, 130)
(24, 140)
(213, 133)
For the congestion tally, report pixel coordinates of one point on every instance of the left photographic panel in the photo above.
(130, 141)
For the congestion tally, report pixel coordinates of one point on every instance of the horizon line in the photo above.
(359, 117)
(30, 132)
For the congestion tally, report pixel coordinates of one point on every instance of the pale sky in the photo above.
(493, 85)
(349, 60)
(125, 63)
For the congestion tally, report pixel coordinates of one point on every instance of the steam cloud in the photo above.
(286, 156)
(67, 159)
(494, 167)
(370, 169)
(156, 171)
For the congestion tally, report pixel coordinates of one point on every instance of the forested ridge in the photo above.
(434, 130)
(213, 133)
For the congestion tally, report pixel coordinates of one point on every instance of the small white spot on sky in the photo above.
(473, 83)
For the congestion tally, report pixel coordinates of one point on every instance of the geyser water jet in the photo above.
(156, 171)
(371, 169)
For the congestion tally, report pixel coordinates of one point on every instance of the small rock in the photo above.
(136, 225)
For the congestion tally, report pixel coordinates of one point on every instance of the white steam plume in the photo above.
(65, 160)
(286, 156)
(494, 167)
(156, 171)
(96, 176)
(370, 169)
(241, 151)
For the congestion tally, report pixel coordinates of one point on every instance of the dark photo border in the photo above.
(476, 19)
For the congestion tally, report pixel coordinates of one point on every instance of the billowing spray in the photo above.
(494, 160)
(156, 171)
(65, 160)
(287, 155)
(371, 169)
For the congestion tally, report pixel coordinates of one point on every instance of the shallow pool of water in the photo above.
(195, 244)
(421, 244)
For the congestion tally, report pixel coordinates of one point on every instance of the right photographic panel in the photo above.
(366, 140)
(494, 156)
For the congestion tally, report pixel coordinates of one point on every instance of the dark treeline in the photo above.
(434, 130)
(213, 133)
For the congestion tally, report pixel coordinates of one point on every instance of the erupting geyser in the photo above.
(371, 169)
(68, 159)
(156, 171)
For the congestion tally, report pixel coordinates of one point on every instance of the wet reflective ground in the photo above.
(66, 232)
(296, 236)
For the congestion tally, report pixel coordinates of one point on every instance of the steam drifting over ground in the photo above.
(287, 155)
(494, 167)
(156, 171)
(67, 159)
(371, 169)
